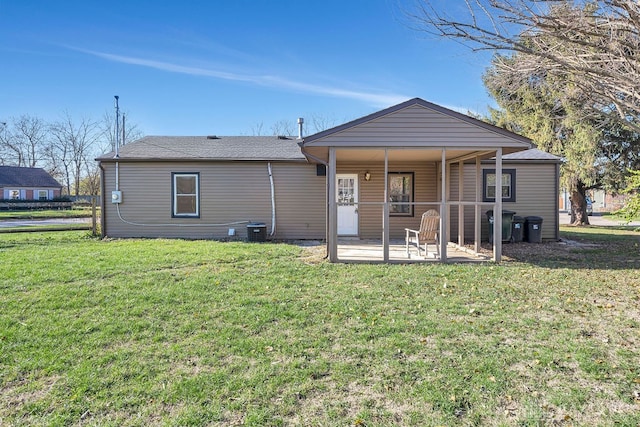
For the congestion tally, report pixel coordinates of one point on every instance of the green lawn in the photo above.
(179, 333)
(77, 212)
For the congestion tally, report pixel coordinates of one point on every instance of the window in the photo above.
(508, 185)
(400, 193)
(14, 194)
(42, 194)
(186, 195)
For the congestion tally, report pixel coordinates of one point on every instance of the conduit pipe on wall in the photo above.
(139, 224)
(273, 201)
(117, 176)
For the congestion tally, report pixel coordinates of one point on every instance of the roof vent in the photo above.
(212, 137)
(282, 137)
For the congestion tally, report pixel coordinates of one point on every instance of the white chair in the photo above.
(428, 233)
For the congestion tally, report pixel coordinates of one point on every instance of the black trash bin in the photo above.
(517, 233)
(533, 226)
(507, 220)
(257, 232)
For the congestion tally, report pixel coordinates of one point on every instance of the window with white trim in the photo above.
(489, 182)
(186, 194)
(14, 194)
(42, 194)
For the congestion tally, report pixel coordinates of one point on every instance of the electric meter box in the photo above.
(116, 197)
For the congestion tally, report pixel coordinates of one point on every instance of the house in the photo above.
(369, 179)
(528, 178)
(20, 183)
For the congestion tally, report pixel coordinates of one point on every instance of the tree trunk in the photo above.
(579, 205)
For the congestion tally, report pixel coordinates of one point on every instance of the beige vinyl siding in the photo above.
(370, 216)
(416, 126)
(536, 195)
(229, 192)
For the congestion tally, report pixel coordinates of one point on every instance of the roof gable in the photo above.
(15, 176)
(209, 148)
(417, 122)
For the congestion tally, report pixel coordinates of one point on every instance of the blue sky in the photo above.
(224, 67)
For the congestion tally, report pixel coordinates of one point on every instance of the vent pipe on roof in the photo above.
(300, 123)
(212, 137)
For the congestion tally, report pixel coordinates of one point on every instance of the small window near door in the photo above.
(400, 193)
(508, 189)
(186, 195)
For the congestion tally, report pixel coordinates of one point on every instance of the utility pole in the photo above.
(117, 142)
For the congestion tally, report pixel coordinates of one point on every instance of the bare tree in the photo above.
(257, 129)
(24, 142)
(320, 122)
(73, 146)
(284, 128)
(128, 131)
(4, 139)
(596, 42)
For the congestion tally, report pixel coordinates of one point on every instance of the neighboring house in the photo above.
(19, 183)
(370, 179)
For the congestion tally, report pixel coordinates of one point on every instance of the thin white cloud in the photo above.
(377, 99)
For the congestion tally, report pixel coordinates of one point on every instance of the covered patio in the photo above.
(414, 145)
(371, 251)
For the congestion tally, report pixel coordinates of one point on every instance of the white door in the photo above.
(347, 198)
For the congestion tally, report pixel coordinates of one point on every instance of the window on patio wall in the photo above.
(508, 185)
(400, 193)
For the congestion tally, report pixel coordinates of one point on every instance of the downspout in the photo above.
(273, 201)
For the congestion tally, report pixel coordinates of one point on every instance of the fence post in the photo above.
(93, 216)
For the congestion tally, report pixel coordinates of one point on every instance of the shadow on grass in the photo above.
(593, 247)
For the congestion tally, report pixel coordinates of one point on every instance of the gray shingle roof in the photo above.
(206, 148)
(14, 176)
(532, 154)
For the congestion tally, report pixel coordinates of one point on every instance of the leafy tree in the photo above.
(549, 109)
(631, 210)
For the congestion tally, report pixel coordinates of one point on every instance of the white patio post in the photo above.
(385, 209)
(332, 237)
(497, 211)
(478, 208)
(444, 218)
